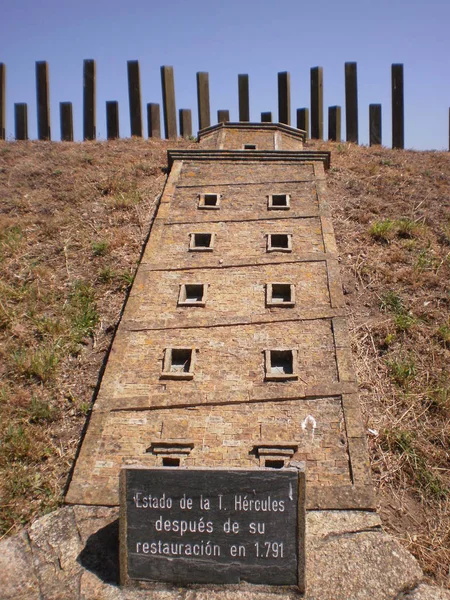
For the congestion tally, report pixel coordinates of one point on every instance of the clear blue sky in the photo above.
(258, 37)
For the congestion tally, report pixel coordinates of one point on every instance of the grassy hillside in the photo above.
(73, 218)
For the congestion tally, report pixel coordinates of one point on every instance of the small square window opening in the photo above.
(279, 242)
(280, 294)
(249, 146)
(279, 202)
(178, 363)
(201, 242)
(192, 294)
(280, 365)
(209, 201)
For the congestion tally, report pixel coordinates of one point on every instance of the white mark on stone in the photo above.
(291, 496)
(310, 420)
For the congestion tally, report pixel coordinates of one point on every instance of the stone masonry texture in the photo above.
(228, 405)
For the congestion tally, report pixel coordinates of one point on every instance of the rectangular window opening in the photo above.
(279, 202)
(274, 464)
(209, 201)
(201, 241)
(281, 292)
(181, 360)
(281, 362)
(178, 363)
(249, 146)
(281, 242)
(169, 461)
(192, 294)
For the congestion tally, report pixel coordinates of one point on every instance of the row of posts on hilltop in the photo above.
(308, 119)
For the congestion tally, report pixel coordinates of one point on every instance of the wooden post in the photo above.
(398, 122)
(334, 123)
(204, 115)
(244, 98)
(66, 121)
(374, 124)
(303, 120)
(185, 122)
(317, 103)
(154, 120)
(21, 121)
(266, 117)
(112, 120)
(351, 102)
(134, 97)
(284, 97)
(42, 97)
(170, 111)
(2, 101)
(89, 100)
(223, 116)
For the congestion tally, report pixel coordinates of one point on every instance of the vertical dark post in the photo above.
(244, 98)
(42, 97)
(154, 120)
(398, 117)
(89, 128)
(334, 123)
(303, 120)
(185, 122)
(317, 103)
(2, 101)
(66, 121)
(112, 120)
(21, 121)
(266, 117)
(375, 124)
(170, 111)
(134, 96)
(223, 116)
(284, 98)
(204, 116)
(351, 102)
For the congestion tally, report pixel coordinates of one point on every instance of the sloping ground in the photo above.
(391, 213)
(73, 218)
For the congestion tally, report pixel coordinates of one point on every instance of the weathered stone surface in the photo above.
(76, 555)
(359, 566)
(323, 524)
(427, 592)
(56, 544)
(17, 576)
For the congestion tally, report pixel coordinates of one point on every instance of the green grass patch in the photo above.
(100, 248)
(404, 443)
(381, 231)
(82, 310)
(406, 228)
(37, 363)
(443, 335)
(402, 370)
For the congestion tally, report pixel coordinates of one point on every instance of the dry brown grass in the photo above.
(391, 214)
(73, 218)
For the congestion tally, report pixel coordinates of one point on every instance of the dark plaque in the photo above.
(212, 526)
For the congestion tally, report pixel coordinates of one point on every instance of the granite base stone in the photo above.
(72, 554)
